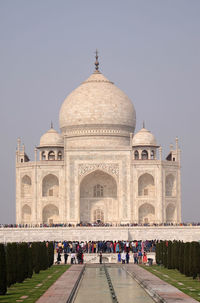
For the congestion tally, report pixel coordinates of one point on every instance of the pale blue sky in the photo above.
(150, 49)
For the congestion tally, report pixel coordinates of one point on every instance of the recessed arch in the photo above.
(170, 185)
(50, 186)
(136, 155)
(43, 155)
(98, 190)
(26, 186)
(59, 155)
(98, 215)
(146, 185)
(51, 155)
(50, 214)
(144, 154)
(146, 213)
(170, 213)
(26, 214)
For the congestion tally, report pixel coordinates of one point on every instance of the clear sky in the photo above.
(150, 49)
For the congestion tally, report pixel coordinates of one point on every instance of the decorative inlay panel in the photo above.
(111, 168)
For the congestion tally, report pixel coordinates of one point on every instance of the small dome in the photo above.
(51, 138)
(144, 138)
(97, 102)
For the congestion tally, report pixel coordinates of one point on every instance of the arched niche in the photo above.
(136, 155)
(50, 214)
(170, 213)
(50, 186)
(145, 155)
(26, 214)
(146, 213)
(26, 187)
(146, 186)
(98, 190)
(170, 186)
(51, 155)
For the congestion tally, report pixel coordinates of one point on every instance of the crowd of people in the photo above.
(95, 225)
(76, 250)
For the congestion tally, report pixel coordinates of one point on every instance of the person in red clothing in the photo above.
(144, 258)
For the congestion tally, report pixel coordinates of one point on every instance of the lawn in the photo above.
(31, 289)
(174, 277)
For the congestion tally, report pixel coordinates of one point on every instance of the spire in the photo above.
(96, 62)
(143, 125)
(51, 124)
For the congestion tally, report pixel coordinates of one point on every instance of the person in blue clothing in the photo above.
(127, 257)
(140, 257)
(119, 257)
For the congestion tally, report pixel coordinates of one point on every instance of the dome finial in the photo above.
(51, 124)
(143, 124)
(97, 61)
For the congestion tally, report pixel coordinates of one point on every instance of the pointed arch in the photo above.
(170, 185)
(26, 186)
(144, 155)
(136, 155)
(146, 185)
(146, 213)
(170, 213)
(50, 186)
(98, 195)
(50, 214)
(26, 214)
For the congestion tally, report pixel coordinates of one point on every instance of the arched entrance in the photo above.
(170, 213)
(26, 214)
(98, 198)
(50, 214)
(146, 213)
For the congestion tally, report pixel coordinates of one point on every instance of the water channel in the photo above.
(96, 287)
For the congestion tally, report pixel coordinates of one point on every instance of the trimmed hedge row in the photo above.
(18, 261)
(184, 257)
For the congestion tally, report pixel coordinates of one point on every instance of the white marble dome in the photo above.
(97, 102)
(51, 138)
(144, 138)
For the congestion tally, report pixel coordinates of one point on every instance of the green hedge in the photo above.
(19, 260)
(184, 257)
(3, 280)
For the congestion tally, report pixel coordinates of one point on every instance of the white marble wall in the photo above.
(184, 233)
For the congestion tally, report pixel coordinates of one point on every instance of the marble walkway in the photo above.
(160, 290)
(61, 290)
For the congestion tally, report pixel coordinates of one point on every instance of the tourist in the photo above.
(119, 257)
(135, 256)
(123, 257)
(144, 258)
(58, 257)
(100, 257)
(127, 257)
(73, 258)
(140, 257)
(65, 255)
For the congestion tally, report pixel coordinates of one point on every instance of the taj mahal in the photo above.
(97, 169)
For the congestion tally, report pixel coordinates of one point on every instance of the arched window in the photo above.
(26, 214)
(170, 185)
(98, 190)
(26, 187)
(50, 186)
(144, 155)
(146, 185)
(136, 154)
(43, 155)
(98, 215)
(152, 155)
(51, 155)
(59, 155)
